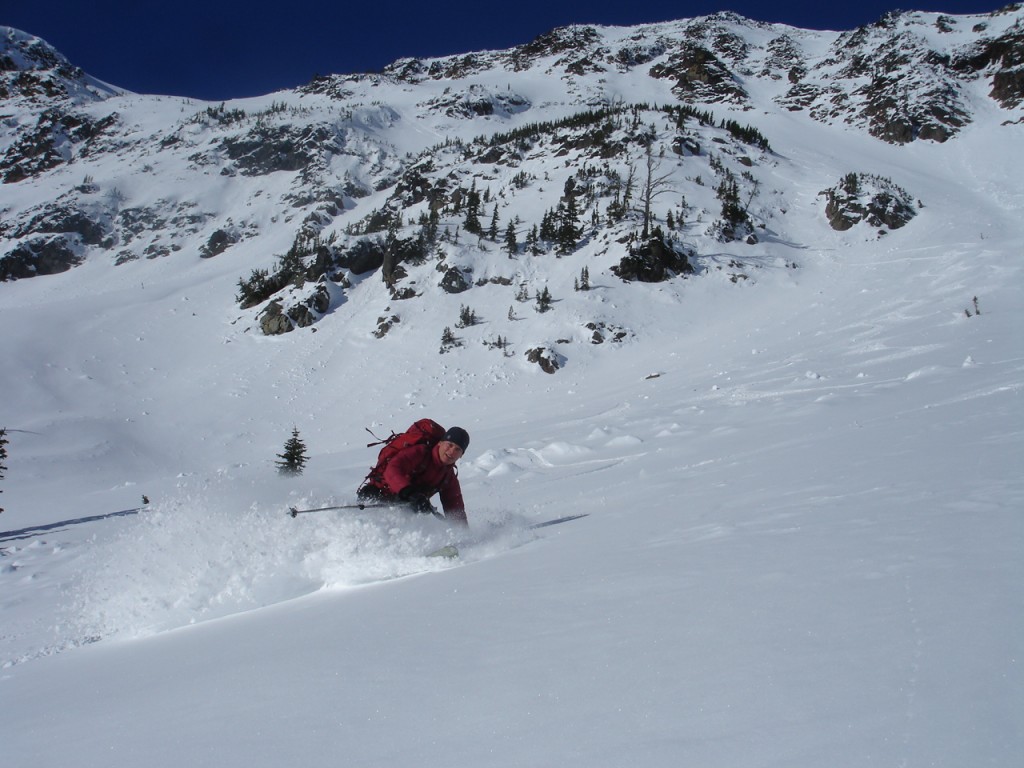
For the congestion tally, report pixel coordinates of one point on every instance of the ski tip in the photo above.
(556, 521)
(448, 552)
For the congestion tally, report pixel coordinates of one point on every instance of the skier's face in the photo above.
(448, 452)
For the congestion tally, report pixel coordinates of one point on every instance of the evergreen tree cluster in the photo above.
(544, 300)
(629, 188)
(467, 317)
(291, 269)
(534, 131)
(747, 134)
(582, 283)
(449, 340)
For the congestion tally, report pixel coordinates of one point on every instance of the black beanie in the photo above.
(459, 436)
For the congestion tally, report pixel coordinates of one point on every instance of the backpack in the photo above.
(423, 432)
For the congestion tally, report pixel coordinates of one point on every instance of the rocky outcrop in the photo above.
(274, 320)
(454, 281)
(50, 143)
(218, 242)
(895, 79)
(548, 359)
(32, 71)
(41, 256)
(698, 75)
(91, 223)
(871, 199)
(269, 149)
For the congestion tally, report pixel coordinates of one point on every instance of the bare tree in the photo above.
(655, 184)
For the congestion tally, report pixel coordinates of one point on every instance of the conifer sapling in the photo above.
(294, 458)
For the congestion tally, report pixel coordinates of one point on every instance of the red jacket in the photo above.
(420, 467)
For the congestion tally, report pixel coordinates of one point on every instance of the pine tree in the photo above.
(733, 212)
(492, 233)
(511, 243)
(449, 340)
(294, 458)
(543, 300)
(548, 225)
(533, 241)
(472, 222)
(568, 230)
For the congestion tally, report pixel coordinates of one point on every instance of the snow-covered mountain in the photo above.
(93, 173)
(747, 296)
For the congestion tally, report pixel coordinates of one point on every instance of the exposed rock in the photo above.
(273, 320)
(385, 324)
(41, 256)
(50, 143)
(1003, 57)
(364, 256)
(478, 101)
(268, 149)
(90, 223)
(864, 197)
(601, 331)
(219, 242)
(454, 281)
(33, 71)
(699, 76)
(548, 360)
(402, 294)
(900, 83)
(564, 40)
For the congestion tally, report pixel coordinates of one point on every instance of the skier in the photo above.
(417, 472)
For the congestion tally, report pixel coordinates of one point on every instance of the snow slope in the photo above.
(804, 494)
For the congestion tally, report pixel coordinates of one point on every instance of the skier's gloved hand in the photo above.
(417, 501)
(422, 505)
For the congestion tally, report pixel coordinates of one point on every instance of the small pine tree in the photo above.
(567, 229)
(467, 317)
(543, 300)
(3, 455)
(294, 458)
(492, 232)
(583, 283)
(511, 243)
(533, 241)
(472, 221)
(449, 340)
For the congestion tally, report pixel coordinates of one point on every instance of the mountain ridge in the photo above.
(472, 165)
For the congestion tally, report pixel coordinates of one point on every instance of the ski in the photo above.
(449, 552)
(556, 521)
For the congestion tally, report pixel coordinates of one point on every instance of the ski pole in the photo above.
(296, 512)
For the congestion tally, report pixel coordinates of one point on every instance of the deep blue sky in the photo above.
(220, 49)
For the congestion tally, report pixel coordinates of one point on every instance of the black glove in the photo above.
(418, 502)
